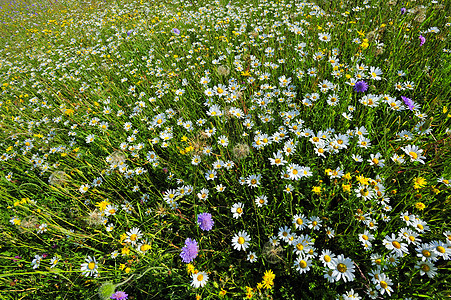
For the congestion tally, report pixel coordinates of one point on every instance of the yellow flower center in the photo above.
(425, 268)
(277, 160)
(91, 265)
(378, 261)
(314, 223)
(133, 237)
(383, 284)
(426, 253)
(341, 267)
(412, 238)
(241, 240)
(375, 161)
(396, 244)
(303, 264)
(299, 221)
(441, 249)
(295, 171)
(365, 237)
(300, 247)
(420, 226)
(327, 258)
(200, 277)
(239, 210)
(253, 181)
(413, 155)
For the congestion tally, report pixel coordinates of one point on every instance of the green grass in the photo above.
(69, 68)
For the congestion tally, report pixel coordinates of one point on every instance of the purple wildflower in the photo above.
(129, 32)
(408, 102)
(119, 295)
(176, 31)
(403, 10)
(189, 252)
(205, 221)
(360, 86)
(422, 40)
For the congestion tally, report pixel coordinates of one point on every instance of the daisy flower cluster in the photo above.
(226, 137)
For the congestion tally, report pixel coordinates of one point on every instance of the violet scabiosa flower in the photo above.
(403, 10)
(422, 40)
(408, 102)
(360, 86)
(189, 252)
(205, 221)
(176, 31)
(119, 295)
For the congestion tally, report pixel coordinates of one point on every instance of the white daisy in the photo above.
(89, 268)
(237, 210)
(241, 240)
(343, 268)
(199, 279)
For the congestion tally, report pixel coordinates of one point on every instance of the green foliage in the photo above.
(115, 113)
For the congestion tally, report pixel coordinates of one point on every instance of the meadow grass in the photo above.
(225, 150)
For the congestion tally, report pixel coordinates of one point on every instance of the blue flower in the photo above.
(360, 86)
(189, 252)
(176, 31)
(119, 295)
(422, 40)
(205, 221)
(408, 102)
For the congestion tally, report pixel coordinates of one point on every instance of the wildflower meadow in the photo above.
(261, 149)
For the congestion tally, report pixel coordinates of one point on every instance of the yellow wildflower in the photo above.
(190, 268)
(346, 188)
(125, 251)
(362, 180)
(102, 205)
(316, 190)
(419, 182)
(420, 205)
(249, 292)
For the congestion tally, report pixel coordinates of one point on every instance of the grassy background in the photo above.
(74, 57)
